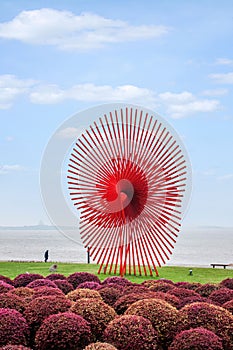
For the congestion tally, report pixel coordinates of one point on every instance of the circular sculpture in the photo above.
(129, 177)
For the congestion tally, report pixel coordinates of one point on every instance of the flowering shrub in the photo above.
(23, 292)
(63, 331)
(188, 285)
(40, 308)
(12, 301)
(41, 283)
(77, 294)
(55, 276)
(89, 285)
(100, 346)
(211, 317)
(13, 327)
(6, 279)
(162, 315)
(161, 287)
(206, 289)
(183, 293)
(229, 306)
(64, 286)
(131, 332)
(5, 287)
(190, 300)
(23, 279)
(227, 283)
(149, 283)
(135, 288)
(122, 304)
(196, 339)
(221, 296)
(109, 295)
(44, 291)
(96, 312)
(14, 347)
(79, 277)
(120, 281)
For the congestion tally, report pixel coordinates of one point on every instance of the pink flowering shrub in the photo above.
(122, 304)
(89, 285)
(149, 283)
(23, 279)
(6, 279)
(211, 317)
(14, 347)
(161, 287)
(55, 276)
(229, 306)
(221, 296)
(96, 312)
(188, 285)
(40, 308)
(23, 292)
(79, 277)
(190, 300)
(131, 332)
(196, 339)
(41, 283)
(162, 315)
(100, 346)
(79, 293)
(109, 295)
(206, 289)
(227, 283)
(120, 281)
(135, 288)
(12, 301)
(44, 291)
(183, 292)
(5, 287)
(13, 327)
(63, 331)
(64, 285)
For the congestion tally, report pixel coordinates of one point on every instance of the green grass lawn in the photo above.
(176, 274)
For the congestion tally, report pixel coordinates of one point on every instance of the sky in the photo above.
(61, 57)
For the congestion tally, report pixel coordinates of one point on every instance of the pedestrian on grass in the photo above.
(46, 256)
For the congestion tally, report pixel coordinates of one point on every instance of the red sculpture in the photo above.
(127, 176)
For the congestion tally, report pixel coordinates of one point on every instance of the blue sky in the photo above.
(60, 57)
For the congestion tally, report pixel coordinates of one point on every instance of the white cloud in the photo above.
(180, 105)
(69, 133)
(215, 92)
(224, 61)
(224, 78)
(226, 177)
(68, 31)
(12, 87)
(5, 169)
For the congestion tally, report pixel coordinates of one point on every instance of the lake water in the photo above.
(194, 247)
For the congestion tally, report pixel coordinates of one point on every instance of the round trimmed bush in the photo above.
(79, 277)
(221, 296)
(11, 301)
(149, 283)
(206, 289)
(41, 283)
(227, 283)
(64, 286)
(162, 315)
(14, 347)
(13, 327)
(89, 285)
(161, 287)
(79, 293)
(196, 339)
(23, 292)
(40, 308)
(183, 293)
(190, 300)
(229, 306)
(135, 288)
(5, 287)
(96, 312)
(211, 317)
(24, 279)
(120, 281)
(6, 279)
(109, 295)
(55, 276)
(44, 291)
(100, 346)
(122, 304)
(63, 331)
(131, 332)
(188, 285)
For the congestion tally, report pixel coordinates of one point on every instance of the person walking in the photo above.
(46, 256)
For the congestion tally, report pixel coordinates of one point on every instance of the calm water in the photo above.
(194, 247)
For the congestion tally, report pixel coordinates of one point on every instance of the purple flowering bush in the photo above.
(122, 304)
(229, 306)
(14, 347)
(63, 331)
(206, 289)
(12, 301)
(44, 291)
(211, 317)
(183, 292)
(5, 287)
(79, 277)
(13, 327)
(162, 315)
(131, 332)
(79, 293)
(89, 285)
(55, 276)
(96, 312)
(190, 300)
(221, 296)
(196, 339)
(120, 281)
(24, 279)
(227, 283)
(100, 346)
(109, 295)
(64, 286)
(6, 279)
(41, 283)
(23, 292)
